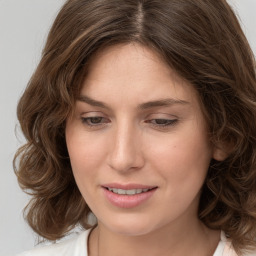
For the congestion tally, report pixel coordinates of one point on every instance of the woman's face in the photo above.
(138, 142)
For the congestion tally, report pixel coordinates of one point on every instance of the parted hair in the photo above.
(203, 42)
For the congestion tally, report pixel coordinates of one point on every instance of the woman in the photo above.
(142, 112)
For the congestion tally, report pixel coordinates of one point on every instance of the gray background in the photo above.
(24, 25)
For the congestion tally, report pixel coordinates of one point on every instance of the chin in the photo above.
(133, 226)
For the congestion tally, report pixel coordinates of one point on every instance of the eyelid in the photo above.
(162, 126)
(93, 113)
(161, 121)
(161, 115)
(87, 117)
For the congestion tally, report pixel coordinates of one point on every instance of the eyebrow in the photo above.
(162, 103)
(147, 105)
(92, 102)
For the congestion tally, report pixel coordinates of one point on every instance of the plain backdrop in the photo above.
(24, 25)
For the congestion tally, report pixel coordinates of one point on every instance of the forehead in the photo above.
(135, 72)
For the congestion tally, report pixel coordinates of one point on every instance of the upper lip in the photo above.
(128, 186)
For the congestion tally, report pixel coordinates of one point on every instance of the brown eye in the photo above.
(163, 122)
(94, 121)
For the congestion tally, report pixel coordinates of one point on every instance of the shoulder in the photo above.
(251, 253)
(76, 246)
(229, 249)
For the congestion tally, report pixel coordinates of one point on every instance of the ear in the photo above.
(221, 151)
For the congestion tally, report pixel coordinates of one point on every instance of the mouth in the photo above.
(129, 192)
(128, 195)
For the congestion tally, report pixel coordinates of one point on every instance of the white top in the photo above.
(77, 246)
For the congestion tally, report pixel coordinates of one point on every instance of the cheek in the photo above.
(83, 147)
(84, 159)
(182, 164)
(182, 156)
(84, 153)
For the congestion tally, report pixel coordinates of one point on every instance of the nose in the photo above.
(126, 149)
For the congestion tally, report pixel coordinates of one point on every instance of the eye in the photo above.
(94, 121)
(161, 123)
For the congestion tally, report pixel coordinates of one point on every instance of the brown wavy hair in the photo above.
(204, 43)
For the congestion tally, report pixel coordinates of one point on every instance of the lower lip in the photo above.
(128, 201)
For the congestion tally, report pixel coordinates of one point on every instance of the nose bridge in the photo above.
(125, 151)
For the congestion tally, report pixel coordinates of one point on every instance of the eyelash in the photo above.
(88, 121)
(162, 122)
(159, 123)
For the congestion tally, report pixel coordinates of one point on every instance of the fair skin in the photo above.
(139, 125)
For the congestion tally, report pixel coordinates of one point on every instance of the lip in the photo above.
(127, 186)
(128, 201)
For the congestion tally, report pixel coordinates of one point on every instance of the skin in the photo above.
(113, 136)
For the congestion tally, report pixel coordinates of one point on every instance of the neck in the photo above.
(192, 239)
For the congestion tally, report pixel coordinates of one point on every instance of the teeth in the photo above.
(115, 190)
(127, 192)
(120, 192)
